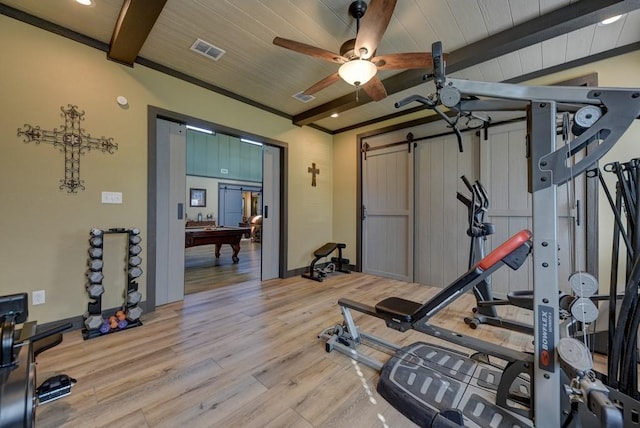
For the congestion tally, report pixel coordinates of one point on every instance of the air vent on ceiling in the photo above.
(207, 49)
(303, 97)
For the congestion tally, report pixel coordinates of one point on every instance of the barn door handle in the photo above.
(180, 211)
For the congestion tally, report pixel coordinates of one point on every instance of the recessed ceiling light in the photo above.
(611, 20)
(334, 115)
(85, 2)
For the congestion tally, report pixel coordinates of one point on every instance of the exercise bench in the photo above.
(319, 274)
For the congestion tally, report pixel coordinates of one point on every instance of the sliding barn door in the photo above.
(387, 195)
(229, 205)
(503, 170)
(441, 222)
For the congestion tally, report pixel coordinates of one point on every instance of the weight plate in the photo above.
(583, 284)
(584, 310)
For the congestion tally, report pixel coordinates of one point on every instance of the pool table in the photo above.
(217, 236)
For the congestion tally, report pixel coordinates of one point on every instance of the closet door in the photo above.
(387, 230)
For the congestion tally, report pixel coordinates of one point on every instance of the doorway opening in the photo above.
(172, 203)
(226, 172)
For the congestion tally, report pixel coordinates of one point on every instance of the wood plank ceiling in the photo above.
(488, 40)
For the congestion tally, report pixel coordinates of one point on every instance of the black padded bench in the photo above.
(328, 248)
(401, 314)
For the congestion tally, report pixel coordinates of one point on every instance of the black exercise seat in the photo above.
(324, 251)
(327, 249)
(400, 314)
(397, 307)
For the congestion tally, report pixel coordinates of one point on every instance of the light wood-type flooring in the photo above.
(202, 271)
(242, 355)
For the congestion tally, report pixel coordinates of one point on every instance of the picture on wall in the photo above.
(197, 197)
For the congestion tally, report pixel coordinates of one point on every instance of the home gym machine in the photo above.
(556, 386)
(18, 393)
(485, 311)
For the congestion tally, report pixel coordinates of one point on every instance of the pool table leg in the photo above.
(236, 250)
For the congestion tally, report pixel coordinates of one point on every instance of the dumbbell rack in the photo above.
(95, 321)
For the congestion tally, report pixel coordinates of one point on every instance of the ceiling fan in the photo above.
(359, 66)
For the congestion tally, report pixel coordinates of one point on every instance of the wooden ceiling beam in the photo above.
(134, 24)
(561, 21)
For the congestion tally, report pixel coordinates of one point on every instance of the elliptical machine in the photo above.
(485, 311)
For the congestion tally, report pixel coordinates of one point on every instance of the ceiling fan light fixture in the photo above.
(357, 72)
(610, 20)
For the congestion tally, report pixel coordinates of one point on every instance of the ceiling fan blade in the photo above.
(327, 81)
(309, 50)
(403, 61)
(375, 89)
(373, 25)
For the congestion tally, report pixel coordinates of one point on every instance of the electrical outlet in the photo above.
(38, 297)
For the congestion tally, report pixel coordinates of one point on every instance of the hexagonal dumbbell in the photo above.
(133, 298)
(135, 239)
(93, 322)
(95, 277)
(95, 252)
(96, 241)
(135, 261)
(95, 264)
(96, 232)
(134, 272)
(134, 313)
(134, 250)
(95, 290)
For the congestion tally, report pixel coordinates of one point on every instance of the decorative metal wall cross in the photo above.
(313, 171)
(73, 141)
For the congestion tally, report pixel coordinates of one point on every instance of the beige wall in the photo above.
(621, 71)
(44, 230)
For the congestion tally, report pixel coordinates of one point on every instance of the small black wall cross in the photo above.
(73, 141)
(313, 171)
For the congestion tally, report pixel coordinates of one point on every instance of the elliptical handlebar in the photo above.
(484, 195)
(466, 182)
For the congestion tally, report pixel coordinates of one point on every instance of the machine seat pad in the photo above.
(326, 249)
(506, 248)
(398, 308)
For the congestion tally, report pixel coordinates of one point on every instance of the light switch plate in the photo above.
(38, 297)
(111, 197)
